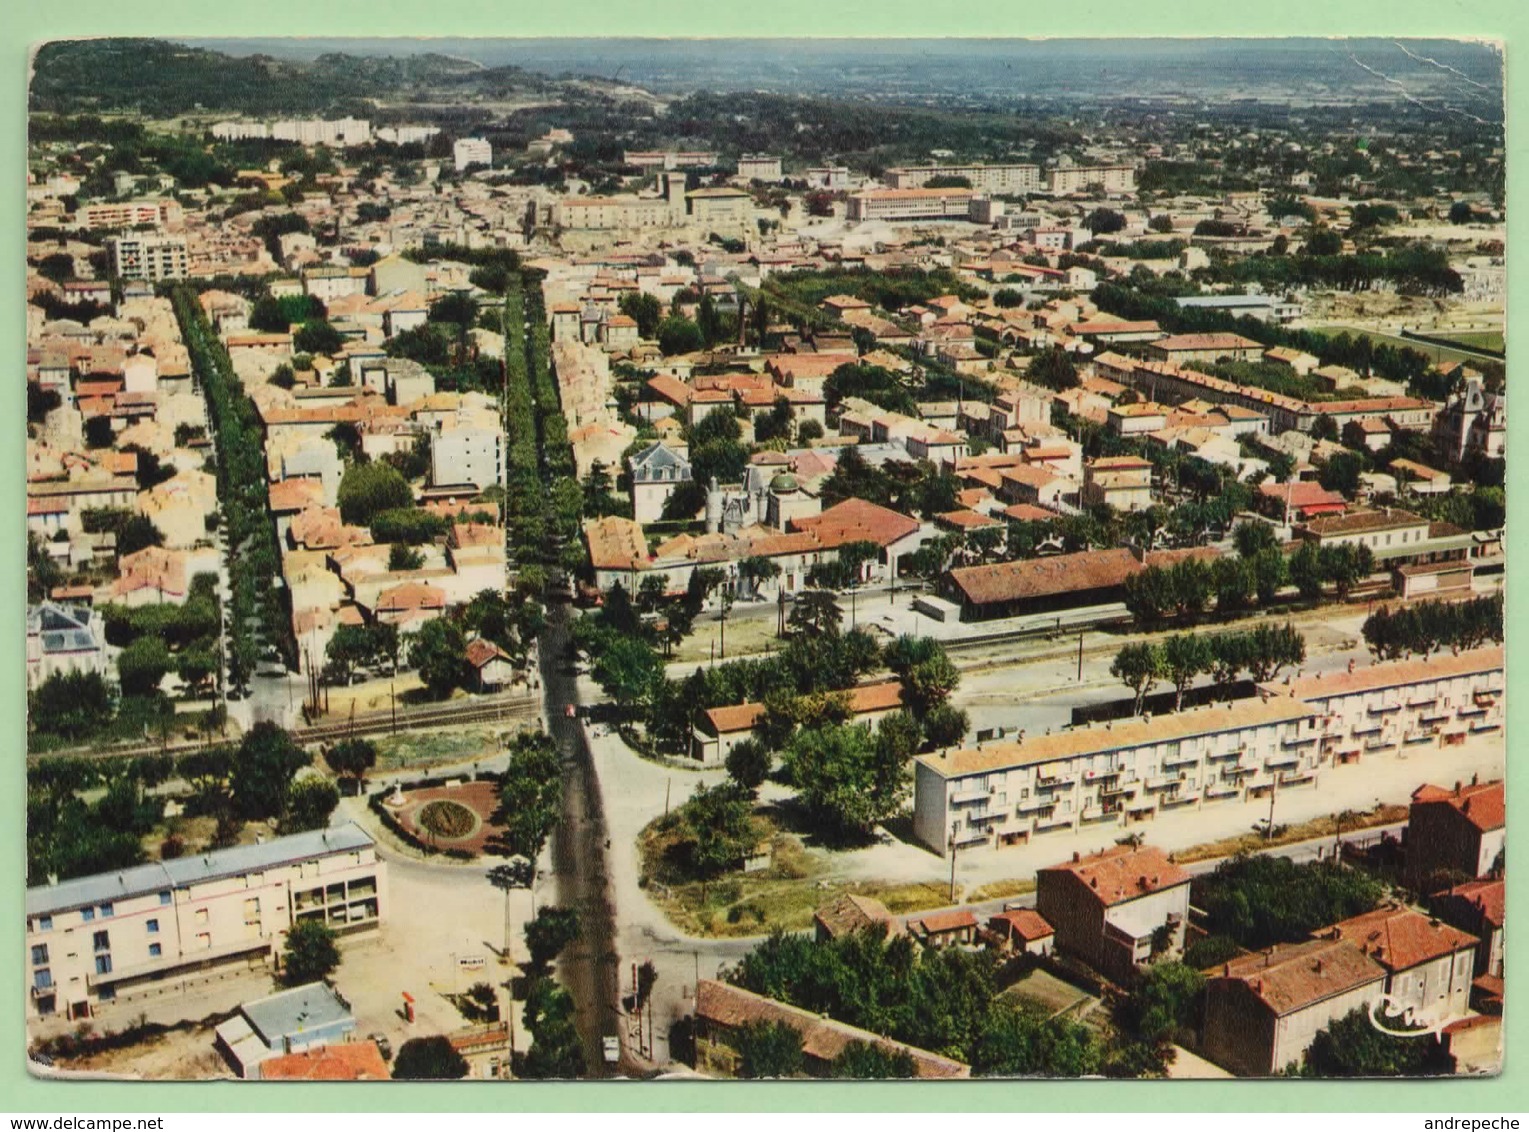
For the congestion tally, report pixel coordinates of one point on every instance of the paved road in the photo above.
(590, 968)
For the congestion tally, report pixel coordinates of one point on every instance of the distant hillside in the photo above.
(159, 79)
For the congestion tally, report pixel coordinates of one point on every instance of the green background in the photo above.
(28, 22)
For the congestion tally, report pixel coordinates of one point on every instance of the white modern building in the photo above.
(110, 936)
(471, 151)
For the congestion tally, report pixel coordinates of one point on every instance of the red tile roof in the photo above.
(852, 913)
(1207, 342)
(481, 652)
(1482, 804)
(411, 596)
(855, 520)
(1026, 923)
(1392, 674)
(1487, 897)
(1290, 977)
(822, 1038)
(1400, 938)
(934, 923)
(1024, 579)
(863, 700)
(1123, 873)
(966, 519)
(349, 1061)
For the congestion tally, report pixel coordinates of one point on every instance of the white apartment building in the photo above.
(117, 935)
(1076, 178)
(595, 213)
(306, 131)
(911, 204)
(1003, 793)
(1403, 705)
(659, 159)
(471, 151)
(163, 213)
(407, 135)
(983, 178)
(830, 177)
(759, 167)
(144, 255)
(467, 454)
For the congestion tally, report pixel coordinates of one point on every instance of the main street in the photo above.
(589, 969)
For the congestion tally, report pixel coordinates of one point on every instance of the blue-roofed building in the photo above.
(289, 1021)
(62, 639)
(1267, 308)
(112, 936)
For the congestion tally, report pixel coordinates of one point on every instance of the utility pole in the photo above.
(1080, 657)
(1273, 793)
(393, 703)
(952, 862)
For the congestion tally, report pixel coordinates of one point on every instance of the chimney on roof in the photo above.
(1075, 857)
(1318, 966)
(1475, 778)
(1458, 788)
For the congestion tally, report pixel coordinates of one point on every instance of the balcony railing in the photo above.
(1379, 744)
(964, 797)
(1276, 762)
(1298, 742)
(1181, 759)
(1420, 738)
(1297, 777)
(1383, 709)
(1235, 753)
(1180, 799)
(1434, 717)
(1361, 732)
(1219, 792)
(1034, 805)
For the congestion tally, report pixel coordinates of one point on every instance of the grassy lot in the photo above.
(1001, 890)
(1437, 353)
(1484, 339)
(429, 748)
(1289, 835)
(1044, 990)
(746, 636)
(781, 896)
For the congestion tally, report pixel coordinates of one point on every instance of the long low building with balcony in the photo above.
(112, 936)
(1402, 706)
(1166, 380)
(1002, 794)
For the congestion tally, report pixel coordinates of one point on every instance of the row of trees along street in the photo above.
(257, 622)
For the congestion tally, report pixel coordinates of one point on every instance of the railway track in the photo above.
(373, 723)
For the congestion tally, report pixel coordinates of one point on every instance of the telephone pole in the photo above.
(952, 862)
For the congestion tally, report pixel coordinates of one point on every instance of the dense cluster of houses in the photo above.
(1120, 910)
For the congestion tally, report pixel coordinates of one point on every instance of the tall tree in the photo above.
(310, 955)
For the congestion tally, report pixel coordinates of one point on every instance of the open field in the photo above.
(1291, 834)
(1484, 339)
(1055, 996)
(1437, 353)
(428, 748)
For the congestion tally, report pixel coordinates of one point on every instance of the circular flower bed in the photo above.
(450, 820)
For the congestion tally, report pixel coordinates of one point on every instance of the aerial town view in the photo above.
(764, 559)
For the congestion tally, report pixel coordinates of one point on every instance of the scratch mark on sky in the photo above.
(1441, 66)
